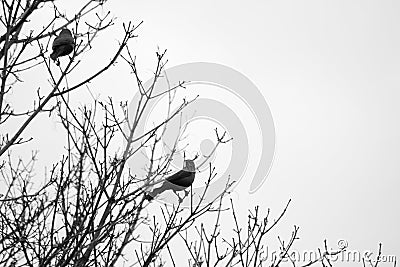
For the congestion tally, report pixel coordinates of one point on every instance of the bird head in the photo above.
(188, 165)
(65, 32)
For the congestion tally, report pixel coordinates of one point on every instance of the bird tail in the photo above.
(54, 56)
(148, 197)
(156, 191)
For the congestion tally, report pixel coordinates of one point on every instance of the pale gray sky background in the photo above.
(329, 71)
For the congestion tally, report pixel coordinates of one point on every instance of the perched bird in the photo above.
(177, 182)
(63, 44)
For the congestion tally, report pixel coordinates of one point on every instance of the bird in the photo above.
(177, 182)
(63, 44)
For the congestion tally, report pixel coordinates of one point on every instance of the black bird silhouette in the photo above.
(177, 182)
(63, 44)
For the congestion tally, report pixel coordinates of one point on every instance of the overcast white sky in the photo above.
(329, 71)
